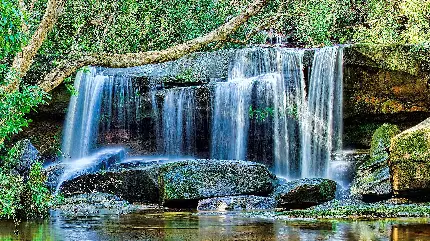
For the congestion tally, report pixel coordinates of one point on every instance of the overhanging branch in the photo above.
(68, 67)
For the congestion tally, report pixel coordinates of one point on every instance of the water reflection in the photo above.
(154, 225)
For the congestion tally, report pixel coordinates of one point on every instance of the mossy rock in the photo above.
(304, 193)
(372, 179)
(188, 181)
(381, 140)
(410, 161)
(136, 185)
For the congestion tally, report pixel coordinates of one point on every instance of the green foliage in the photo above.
(186, 75)
(337, 209)
(133, 25)
(11, 36)
(11, 187)
(22, 195)
(14, 106)
(28, 199)
(318, 22)
(261, 114)
(36, 196)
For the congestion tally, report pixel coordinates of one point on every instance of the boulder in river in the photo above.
(410, 162)
(177, 184)
(189, 181)
(304, 193)
(136, 185)
(66, 170)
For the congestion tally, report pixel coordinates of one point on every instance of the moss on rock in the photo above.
(410, 161)
(372, 178)
(199, 179)
(305, 192)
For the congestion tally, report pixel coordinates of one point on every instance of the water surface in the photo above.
(157, 225)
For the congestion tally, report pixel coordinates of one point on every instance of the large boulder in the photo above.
(372, 179)
(176, 184)
(136, 185)
(237, 203)
(304, 193)
(410, 161)
(189, 181)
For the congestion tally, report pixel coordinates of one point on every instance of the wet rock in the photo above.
(305, 192)
(53, 174)
(67, 170)
(138, 185)
(237, 203)
(410, 162)
(372, 179)
(24, 155)
(188, 181)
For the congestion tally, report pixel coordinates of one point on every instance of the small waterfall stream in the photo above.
(179, 134)
(323, 122)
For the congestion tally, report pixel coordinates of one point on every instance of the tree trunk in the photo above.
(23, 60)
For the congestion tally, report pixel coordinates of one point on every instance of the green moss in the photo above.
(378, 210)
(413, 146)
(381, 139)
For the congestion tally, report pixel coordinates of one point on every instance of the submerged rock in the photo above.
(96, 203)
(372, 179)
(237, 203)
(188, 181)
(305, 192)
(410, 162)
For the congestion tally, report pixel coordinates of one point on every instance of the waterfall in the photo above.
(269, 84)
(230, 119)
(105, 109)
(178, 122)
(269, 80)
(323, 120)
(81, 125)
(263, 112)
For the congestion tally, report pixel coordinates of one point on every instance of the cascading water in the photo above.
(81, 125)
(230, 119)
(270, 82)
(323, 122)
(178, 130)
(270, 79)
(261, 111)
